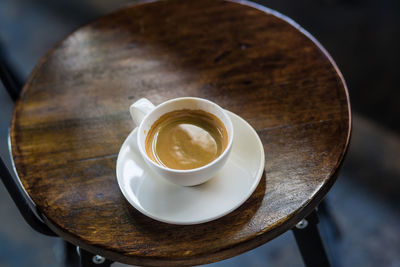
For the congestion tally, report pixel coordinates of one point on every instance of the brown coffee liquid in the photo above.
(186, 139)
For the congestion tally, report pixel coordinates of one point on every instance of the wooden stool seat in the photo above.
(72, 117)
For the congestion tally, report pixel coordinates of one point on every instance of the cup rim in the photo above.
(188, 171)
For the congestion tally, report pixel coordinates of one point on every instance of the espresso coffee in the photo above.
(186, 139)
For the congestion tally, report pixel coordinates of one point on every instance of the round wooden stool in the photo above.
(72, 118)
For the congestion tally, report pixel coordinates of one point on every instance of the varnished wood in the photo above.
(72, 118)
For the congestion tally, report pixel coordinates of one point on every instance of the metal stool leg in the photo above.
(88, 259)
(10, 79)
(71, 256)
(309, 242)
(21, 202)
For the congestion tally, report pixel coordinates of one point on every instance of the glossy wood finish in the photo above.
(72, 118)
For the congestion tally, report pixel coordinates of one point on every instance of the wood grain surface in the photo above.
(72, 118)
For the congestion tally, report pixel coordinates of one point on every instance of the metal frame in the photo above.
(11, 81)
(88, 259)
(310, 243)
(21, 202)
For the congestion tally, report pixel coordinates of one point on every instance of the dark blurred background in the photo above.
(363, 37)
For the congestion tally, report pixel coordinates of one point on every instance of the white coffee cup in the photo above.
(144, 114)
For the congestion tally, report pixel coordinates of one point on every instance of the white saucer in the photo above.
(161, 200)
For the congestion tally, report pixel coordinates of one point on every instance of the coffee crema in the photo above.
(186, 139)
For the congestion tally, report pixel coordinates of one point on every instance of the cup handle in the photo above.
(139, 109)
